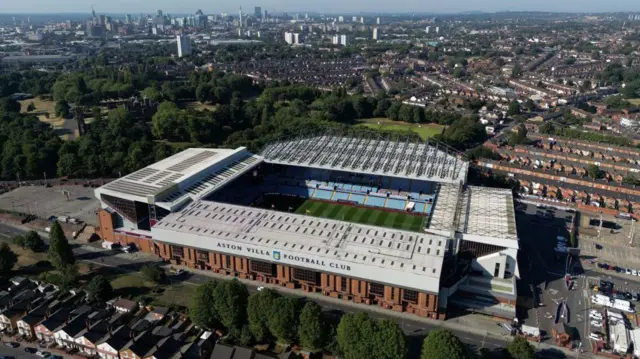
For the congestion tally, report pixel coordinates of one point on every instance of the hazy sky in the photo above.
(329, 6)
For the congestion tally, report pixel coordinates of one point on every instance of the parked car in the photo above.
(598, 247)
(43, 354)
(30, 350)
(12, 344)
(7, 357)
(628, 271)
(595, 323)
(595, 336)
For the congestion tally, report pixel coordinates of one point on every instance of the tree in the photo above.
(246, 338)
(231, 305)
(390, 341)
(7, 260)
(202, 310)
(356, 333)
(60, 252)
(519, 137)
(519, 348)
(99, 289)
(594, 172)
(31, 107)
(68, 276)
(312, 333)
(514, 109)
(442, 344)
(260, 303)
(9, 105)
(284, 319)
(31, 241)
(154, 273)
(62, 109)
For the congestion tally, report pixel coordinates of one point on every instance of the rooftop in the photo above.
(372, 155)
(192, 173)
(408, 259)
(488, 216)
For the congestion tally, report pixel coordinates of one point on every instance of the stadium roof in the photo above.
(406, 259)
(190, 174)
(488, 216)
(373, 155)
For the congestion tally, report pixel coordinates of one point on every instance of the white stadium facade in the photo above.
(372, 219)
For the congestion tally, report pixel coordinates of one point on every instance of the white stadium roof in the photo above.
(190, 174)
(488, 216)
(408, 259)
(376, 155)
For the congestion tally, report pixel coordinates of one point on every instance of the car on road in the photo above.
(260, 288)
(177, 271)
(595, 323)
(619, 295)
(628, 271)
(598, 247)
(43, 354)
(30, 350)
(12, 344)
(634, 272)
(7, 357)
(55, 357)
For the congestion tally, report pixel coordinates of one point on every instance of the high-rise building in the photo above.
(266, 14)
(362, 19)
(378, 20)
(375, 33)
(340, 40)
(184, 46)
(292, 38)
(127, 19)
(437, 29)
(427, 29)
(257, 12)
(240, 17)
(340, 18)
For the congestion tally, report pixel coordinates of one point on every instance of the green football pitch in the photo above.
(361, 215)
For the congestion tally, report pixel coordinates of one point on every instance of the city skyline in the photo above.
(328, 7)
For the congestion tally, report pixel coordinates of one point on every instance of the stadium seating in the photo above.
(340, 195)
(375, 201)
(396, 204)
(357, 198)
(420, 207)
(323, 194)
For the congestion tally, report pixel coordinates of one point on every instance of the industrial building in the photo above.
(371, 219)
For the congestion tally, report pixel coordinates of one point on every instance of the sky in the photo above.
(321, 6)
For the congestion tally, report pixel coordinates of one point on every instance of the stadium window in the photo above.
(414, 267)
(419, 249)
(424, 269)
(364, 258)
(305, 275)
(430, 241)
(343, 284)
(438, 252)
(389, 245)
(433, 271)
(429, 250)
(382, 262)
(398, 246)
(393, 263)
(408, 246)
(376, 289)
(410, 295)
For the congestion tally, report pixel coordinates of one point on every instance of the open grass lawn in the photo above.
(134, 285)
(423, 130)
(396, 220)
(635, 101)
(196, 105)
(42, 108)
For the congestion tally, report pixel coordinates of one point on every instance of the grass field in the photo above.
(423, 130)
(362, 215)
(635, 101)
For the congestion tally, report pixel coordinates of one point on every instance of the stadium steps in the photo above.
(385, 202)
(366, 197)
(333, 194)
(313, 195)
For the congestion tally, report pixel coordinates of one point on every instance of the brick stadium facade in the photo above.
(335, 286)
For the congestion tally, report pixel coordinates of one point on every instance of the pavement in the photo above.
(475, 330)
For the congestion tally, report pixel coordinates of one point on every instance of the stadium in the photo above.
(375, 219)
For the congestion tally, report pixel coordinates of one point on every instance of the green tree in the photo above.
(60, 252)
(246, 338)
(231, 305)
(99, 289)
(313, 330)
(390, 341)
(260, 303)
(68, 276)
(356, 335)
(202, 310)
(519, 348)
(9, 105)
(442, 344)
(7, 260)
(31, 240)
(514, 109)
(62, 109)
(154, 273)
(594, 172)
(519, 137)
(284, 319)
(152, 93)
